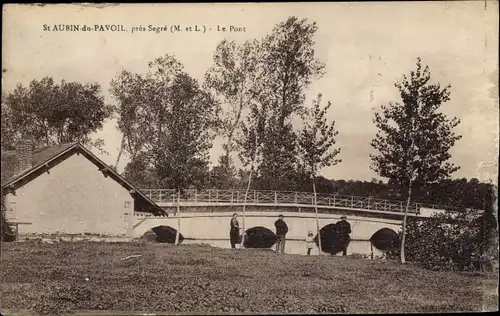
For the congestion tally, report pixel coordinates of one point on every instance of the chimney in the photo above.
(24, 150)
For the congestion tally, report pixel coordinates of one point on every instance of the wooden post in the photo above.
(295, 198)
(275, 198)
(177, 233)
(159, 197)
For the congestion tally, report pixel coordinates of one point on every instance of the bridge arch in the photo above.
(385, 239)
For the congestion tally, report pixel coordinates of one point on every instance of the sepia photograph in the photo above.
(249, 158)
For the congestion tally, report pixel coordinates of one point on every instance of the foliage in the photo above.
(223, 176)
(317, 139)
(277, 169)
(456, 240)
(232, 79)
(139, 171)
(48, 113)
(288, 67)
(124, 89)
(414, 139)
(168, 117)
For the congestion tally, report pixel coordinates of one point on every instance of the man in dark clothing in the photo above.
(344, 229)
(234, 233)
(281, 230)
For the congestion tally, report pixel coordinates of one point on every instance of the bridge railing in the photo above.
(213, 196)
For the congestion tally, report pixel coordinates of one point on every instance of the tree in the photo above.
(223, 176)
(125, 88)
(316, 143)
(48, 113)
(232, 78)
(414, 139)
(250, 143)
(174, 121)
(139, 172)
(8, 132)
(288, 65)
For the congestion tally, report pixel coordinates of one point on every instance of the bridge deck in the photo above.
(168, 197)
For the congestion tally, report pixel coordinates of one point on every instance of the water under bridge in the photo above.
(205, 214)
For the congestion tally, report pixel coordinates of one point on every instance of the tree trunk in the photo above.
(122, 145)
(248, 189)
(245, 205)
(403, 237)
(177, 233)
(317, 216)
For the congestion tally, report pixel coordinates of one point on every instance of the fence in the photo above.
(282, 198)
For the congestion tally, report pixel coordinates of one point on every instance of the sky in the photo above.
(366, 47)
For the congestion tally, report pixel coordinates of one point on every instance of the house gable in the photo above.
(45, 165)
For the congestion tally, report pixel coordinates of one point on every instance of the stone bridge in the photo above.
(204, 215)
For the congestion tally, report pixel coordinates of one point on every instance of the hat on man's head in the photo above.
(235, 214)
(281, 215)
(343, 217)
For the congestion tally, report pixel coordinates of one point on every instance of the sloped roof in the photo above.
(9, 165)
(38, 158)
(44, 156)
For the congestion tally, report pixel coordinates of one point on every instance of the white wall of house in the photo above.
(74, 197)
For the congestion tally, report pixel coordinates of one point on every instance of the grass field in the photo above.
(39, 278)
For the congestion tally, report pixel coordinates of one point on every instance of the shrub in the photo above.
(456, 240)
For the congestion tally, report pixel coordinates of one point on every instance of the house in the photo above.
(67, 189)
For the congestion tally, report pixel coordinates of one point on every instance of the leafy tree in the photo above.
(223, 176)
(288, 66)
(8, 133)
(316, 143)
(48, 113)
(139, 171)
(232, 79)
(414, 139)
(278, 167)
(125, 88)
(175, 119)
(250, 140)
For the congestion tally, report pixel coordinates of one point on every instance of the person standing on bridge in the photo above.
(234, 233)
(344, 229)
(281, 230)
